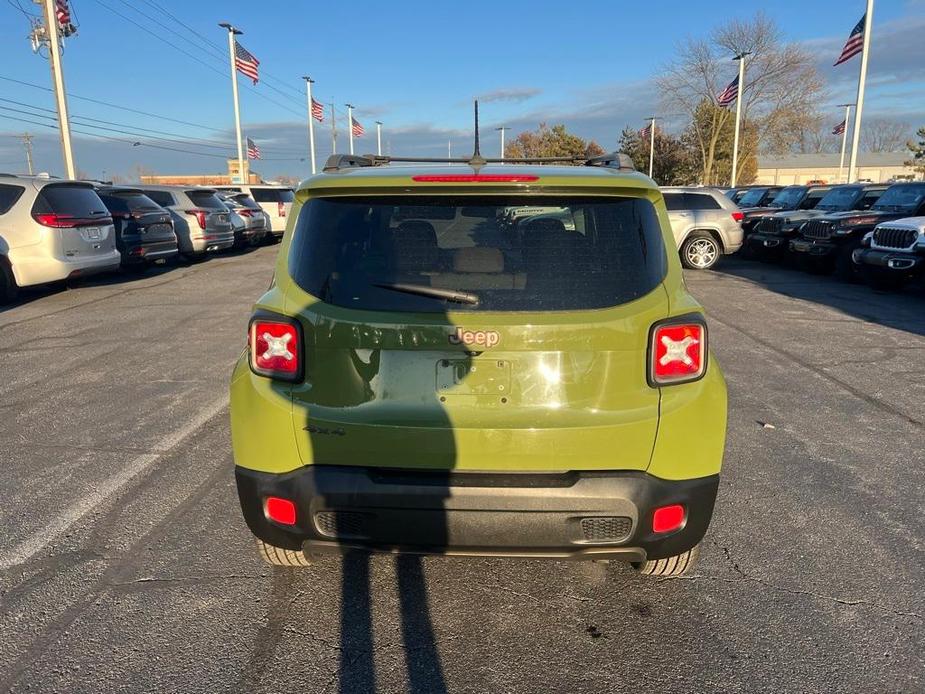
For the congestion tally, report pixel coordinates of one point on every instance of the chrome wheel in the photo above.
(701, 253)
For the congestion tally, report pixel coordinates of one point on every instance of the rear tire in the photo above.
(700, 251)
(676, 565)
(8, 288)
(277, 556)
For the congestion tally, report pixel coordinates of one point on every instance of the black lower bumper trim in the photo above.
(341, 508)
(889, 260)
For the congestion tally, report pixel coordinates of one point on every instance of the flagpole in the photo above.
(232, 32)
(379, 137)
(844, 142)
(311, 120)
(859, 103)
(735, 138)
(333, 131)
(350, 124)
(651, 146)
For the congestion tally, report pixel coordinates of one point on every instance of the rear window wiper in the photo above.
(454, 295)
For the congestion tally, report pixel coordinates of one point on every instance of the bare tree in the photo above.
(781, 84)
(883, 135)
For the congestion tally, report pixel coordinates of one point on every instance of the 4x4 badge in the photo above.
(488, 338)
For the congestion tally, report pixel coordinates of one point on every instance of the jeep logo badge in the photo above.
(488, 338)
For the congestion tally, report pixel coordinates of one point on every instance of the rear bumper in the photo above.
(559, 515)
(146, 252)
(896, 261)
(37, 270)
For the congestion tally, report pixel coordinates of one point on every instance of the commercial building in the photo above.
(802, 168)
(214, 179)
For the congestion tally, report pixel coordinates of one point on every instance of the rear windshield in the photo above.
(272, 194)
(8, 197)
(75, 201)
(133, 202)
(433, 254)
(246, 201)
(205, 199)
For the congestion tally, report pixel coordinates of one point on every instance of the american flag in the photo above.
(840, 128)
(729, 94)
(854, 44)
(356, 128)
(245, 63)
(646, 132)
(253, 151)
(317, 111)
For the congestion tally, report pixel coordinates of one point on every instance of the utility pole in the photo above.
(501, 130)
(735, 138)
(350, 108)
(844, 142)
(232, 32)
(333, 131)
(48, 35)
(862, 79)
(311, 120)
(651, 145)
(379, 137)
(27, 143)
(449, 152)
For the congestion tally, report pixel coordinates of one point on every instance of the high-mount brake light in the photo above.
(667, 519)
(275, 348)
(279, 510)
(738, 216)
(475, 178)
(200, 216)
(677, 352)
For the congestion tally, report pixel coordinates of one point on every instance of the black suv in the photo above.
(770, 235)
(144, 229)
(828, 242)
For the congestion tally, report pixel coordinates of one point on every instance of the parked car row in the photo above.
(54, 229)
(861, 230)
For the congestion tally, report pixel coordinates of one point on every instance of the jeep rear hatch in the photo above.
(452, 332)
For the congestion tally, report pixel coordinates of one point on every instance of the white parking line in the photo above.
(112, 486)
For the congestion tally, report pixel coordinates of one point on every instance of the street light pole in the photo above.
(862, 80)
(379, 137)
(232, 32)
(350, 108)
(735, 138)
(844, 142)
(651, 145)
(311, 120)
(57, 78)
(501, 130)
(27, 143)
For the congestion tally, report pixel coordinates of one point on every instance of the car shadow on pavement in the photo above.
(903, 310)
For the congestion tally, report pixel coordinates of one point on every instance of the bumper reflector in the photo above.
(667, 518)
(279, 510)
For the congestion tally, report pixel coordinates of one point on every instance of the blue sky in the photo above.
(413, 65)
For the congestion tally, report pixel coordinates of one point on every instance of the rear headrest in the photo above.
(417, 230)
(478, 260)
(545, 226)
(414, 246)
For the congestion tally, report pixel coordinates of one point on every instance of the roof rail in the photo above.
(339, 162)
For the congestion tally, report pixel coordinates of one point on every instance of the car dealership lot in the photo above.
(125, 564)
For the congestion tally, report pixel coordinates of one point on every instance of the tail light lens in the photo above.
(275, 346)
(246, 213)
(677, 351)
(281, 209)
(67, 221)
(738, 216)
(200, 216)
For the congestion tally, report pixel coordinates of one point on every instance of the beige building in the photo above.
(216, 179)
(803, 168)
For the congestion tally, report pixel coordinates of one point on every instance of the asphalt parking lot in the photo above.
(125, 564)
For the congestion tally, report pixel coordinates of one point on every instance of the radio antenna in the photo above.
(477, 158)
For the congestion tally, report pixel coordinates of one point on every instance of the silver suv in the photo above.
(276, 201)
(201, 221)
(50, 230)
(706, 224)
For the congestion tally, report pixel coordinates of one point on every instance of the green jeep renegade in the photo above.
(479, 360)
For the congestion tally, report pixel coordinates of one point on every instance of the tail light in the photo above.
(738, 216)
(275, 346)
(281, 209)
(677, 351)
(200, 216)
(67, 221)
(246, 213)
